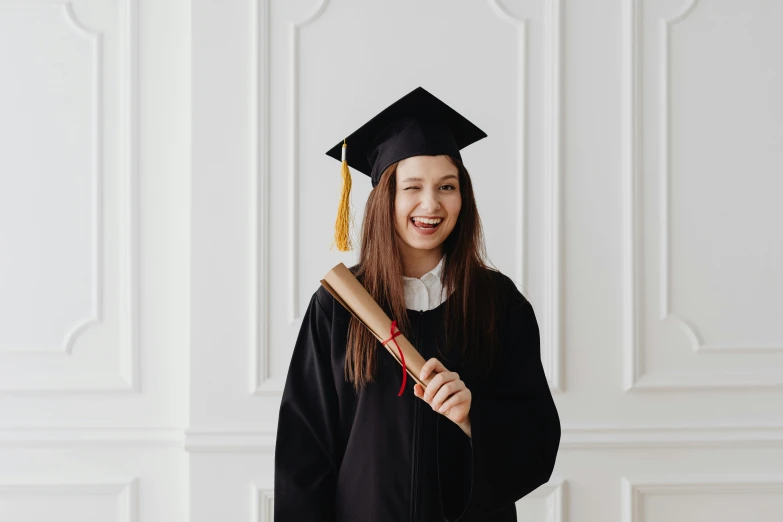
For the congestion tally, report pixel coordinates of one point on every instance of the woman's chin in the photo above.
(423, 243)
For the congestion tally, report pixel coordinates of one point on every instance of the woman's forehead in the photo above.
(425, 166)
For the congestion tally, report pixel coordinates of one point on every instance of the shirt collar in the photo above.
(434, 273)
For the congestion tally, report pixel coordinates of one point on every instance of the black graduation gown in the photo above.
(376, 456)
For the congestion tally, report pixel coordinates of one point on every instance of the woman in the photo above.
(485, 432)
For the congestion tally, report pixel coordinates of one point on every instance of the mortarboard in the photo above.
(418, 124)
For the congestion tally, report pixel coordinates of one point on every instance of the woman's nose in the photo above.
(430, 200)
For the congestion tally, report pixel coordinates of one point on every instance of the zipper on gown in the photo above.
(417, 436)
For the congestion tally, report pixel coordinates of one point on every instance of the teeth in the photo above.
(428, 221)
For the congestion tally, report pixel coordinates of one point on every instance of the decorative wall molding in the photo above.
(222, 440)
(553, 350)
(261, 381)
(262, 503)
(634, 489)
(554, 495)
(552, 310)
(689, 328)
(293, 159)
(127, 380)
(521, 171)
(617, 436)
(126, 492)
(90, 437)
(574, 437)
(635, 377)
(96, 316)
(262, 438)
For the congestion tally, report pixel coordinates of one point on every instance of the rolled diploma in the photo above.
(350, 293)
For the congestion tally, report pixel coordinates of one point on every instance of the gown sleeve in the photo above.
(515, 428)
(306, 462)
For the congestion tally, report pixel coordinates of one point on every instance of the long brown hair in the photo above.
(465, 273)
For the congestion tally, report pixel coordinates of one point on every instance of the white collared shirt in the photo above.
(426, 292)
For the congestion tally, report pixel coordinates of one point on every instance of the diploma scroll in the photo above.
(350, 293)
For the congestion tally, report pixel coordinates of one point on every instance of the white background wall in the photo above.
(166, 209)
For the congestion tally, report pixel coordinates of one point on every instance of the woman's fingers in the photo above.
(437, 383)
(432, 365)
(446, 407)
(447, 394)
(446, 391)
(434, 385)
(456, 408)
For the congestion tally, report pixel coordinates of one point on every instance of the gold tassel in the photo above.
(341, 227)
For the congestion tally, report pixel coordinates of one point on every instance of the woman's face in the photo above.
(427, 187)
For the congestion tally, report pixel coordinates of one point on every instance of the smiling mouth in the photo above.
(425, 226)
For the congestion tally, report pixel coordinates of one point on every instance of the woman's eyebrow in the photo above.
(447, 176)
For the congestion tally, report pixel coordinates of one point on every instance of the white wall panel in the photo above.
(94, 239)
(68, 208)
(102, 501)
(546, 503)
(104, 194)
(714, 497)
(703, 240)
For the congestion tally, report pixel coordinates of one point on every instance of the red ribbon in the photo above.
(393, 335)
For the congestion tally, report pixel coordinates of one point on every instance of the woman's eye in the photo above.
(451, 187)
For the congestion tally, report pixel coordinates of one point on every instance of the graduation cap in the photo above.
(418, 124)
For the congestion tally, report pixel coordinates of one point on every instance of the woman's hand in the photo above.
(446, 393)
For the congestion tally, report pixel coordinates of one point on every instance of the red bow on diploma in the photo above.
(393, 335)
